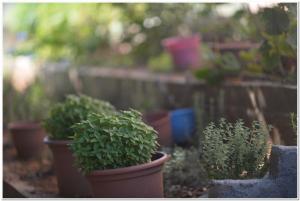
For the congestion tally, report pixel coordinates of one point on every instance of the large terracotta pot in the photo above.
(139, 181)
(27, 138)
(160, 121)
(71, 183)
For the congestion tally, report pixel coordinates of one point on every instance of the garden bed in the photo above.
(35, 178)
(32, 178)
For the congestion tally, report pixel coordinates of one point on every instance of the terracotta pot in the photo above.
(160, 121)
(27, 138)
(71, 183)
(139, 181)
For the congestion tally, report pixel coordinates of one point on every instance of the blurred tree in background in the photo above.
(127, 34)
(76, 31)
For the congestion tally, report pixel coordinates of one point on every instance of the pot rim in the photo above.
(175, 40)
(125, 170)
(181, 111)
(159, 118)
(49, 141)
(24, 125)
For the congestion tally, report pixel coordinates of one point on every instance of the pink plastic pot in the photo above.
(184, 51)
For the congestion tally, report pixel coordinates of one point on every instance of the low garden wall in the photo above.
(269, 102)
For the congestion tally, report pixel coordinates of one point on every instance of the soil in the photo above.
(32, 178)
(178, 191)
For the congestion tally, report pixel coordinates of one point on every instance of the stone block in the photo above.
(280, 182)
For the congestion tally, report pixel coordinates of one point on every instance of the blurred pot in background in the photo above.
(183, 124)
(184, 51)
(27, 138)
(160, 121)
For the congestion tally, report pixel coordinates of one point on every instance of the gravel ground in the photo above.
(32, 178)
(178, 191)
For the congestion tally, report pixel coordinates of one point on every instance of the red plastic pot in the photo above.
(27, 138)
(71, 183)
(184, 51)
(160, 121)
(139, 181)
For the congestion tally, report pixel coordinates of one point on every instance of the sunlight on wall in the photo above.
(23, 73)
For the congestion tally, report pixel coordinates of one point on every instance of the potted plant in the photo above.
(220, 67)
(160, 121)
(234, 151)
(184, 51)
(62, 116)
(24, 110)
(118, 155)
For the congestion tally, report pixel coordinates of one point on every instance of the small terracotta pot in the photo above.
(160, 121)
(139, 181)
(71, 183)
(27, 138)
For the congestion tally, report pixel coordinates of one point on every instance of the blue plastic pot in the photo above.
(183, 124)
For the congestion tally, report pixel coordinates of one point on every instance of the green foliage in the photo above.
(184, 168)
(63, 31)
(277, 31)
(251, 61)
(234, 150)
(28, 105)
(293, 118)
(113, 141)
(74, 109)
(279, 39)
(161, 63)
(218, 67)
(80, 32)
(130, 34)
(275, 14)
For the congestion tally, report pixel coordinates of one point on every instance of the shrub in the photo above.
(234, 150)
(161, 63)
(73, 110)
(113, 141)
(184, 169)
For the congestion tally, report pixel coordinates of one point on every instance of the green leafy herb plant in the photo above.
(218, 67)
(74, 109)
(293, 119)
(113, 141)
(234, 151)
